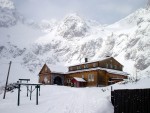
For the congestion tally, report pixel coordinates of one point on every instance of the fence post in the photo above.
(111, 88)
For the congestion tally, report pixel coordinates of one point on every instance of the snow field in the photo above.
(59, 99)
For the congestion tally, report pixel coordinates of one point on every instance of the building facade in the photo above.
(103, 72)
(46, 76)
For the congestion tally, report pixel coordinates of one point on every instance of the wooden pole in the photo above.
(37, 94)
(18, 94)
(136, 74)
(27, 89)
(30, 92)
(39, 90)
(7, 80)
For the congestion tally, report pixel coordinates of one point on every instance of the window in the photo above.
(68, 80)
(46, 79)
(111, 66)
(106, 65)
(94, 65)
(82, 76)
(78, 67)
(115, 67)
(70, 68)
(46, 69)
(120, 67)
(86, 66)
(90, 77)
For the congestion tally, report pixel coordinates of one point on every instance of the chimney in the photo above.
(86, 60)
(107, 56)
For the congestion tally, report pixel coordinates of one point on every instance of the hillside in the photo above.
(70, 40)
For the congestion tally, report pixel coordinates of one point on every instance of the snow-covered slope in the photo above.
(133, 39)
(73, 38)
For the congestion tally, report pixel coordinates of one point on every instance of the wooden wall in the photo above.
(109, 63)
(79, 74)
(102, 78)
(110, 75)
(90, 65)
(45, 72)
(42, 76)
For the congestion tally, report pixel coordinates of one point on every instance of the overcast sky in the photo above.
(103, 11)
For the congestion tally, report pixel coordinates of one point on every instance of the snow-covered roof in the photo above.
(115, 71)
(79, 79)
(58, 68)
(117, 78)
(99, 68)
(57, 72)
(91, 61)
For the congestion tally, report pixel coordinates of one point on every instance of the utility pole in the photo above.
(136, 74)
(7, 80)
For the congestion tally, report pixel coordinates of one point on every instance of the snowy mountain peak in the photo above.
(8, 14)
(72, 16)
(148, 4)
(72, 26)
(6, 4)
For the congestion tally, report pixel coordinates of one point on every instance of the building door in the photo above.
(57, 80)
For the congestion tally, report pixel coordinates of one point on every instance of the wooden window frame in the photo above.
(91, 77)
(82, 76)
(85, 66)
(94, 64)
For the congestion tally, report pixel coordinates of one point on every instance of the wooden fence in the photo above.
(131, 101)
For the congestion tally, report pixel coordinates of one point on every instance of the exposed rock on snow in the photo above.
(11, 51)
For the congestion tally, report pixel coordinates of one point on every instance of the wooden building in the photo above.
(103, 72)
(46, 76)
(97, 73)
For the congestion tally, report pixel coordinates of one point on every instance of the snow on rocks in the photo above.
(72, 26)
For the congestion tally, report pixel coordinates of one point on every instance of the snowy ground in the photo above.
(59, 99)
(62, 99)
